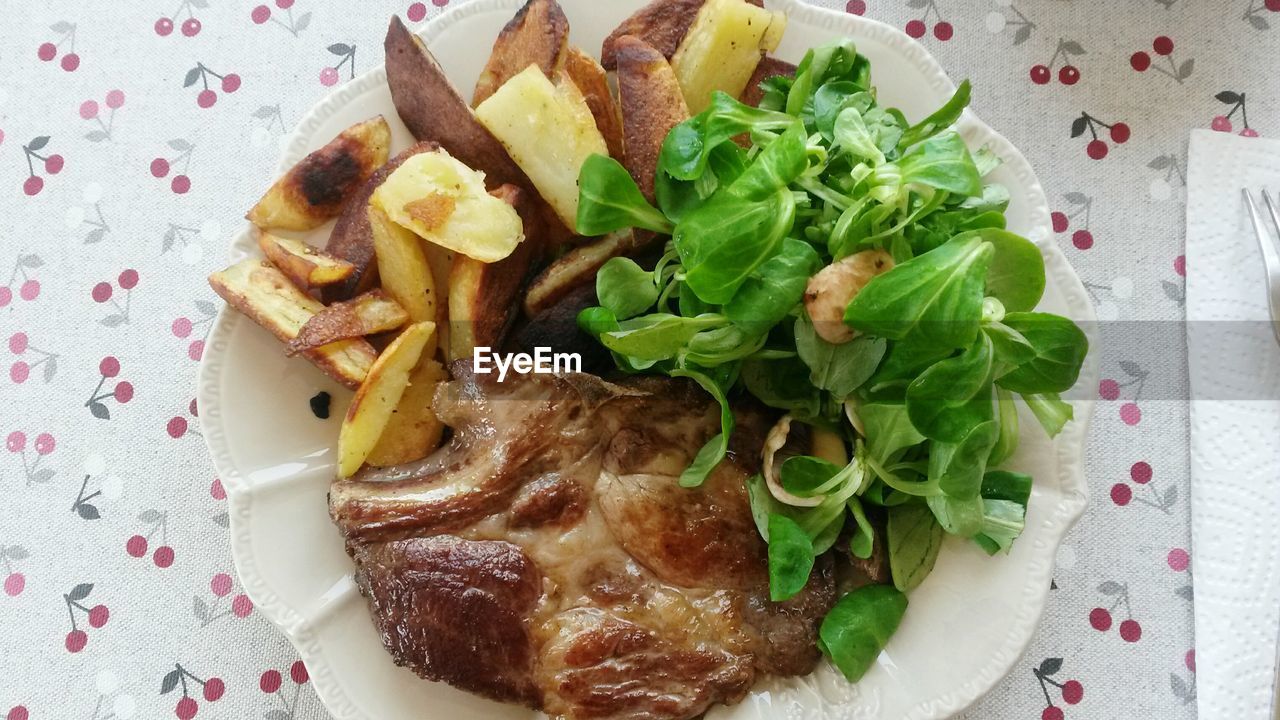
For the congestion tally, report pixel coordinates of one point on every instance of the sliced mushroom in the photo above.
(774, 444)
(834, 286)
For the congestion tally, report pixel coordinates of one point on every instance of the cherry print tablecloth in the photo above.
(133, 135)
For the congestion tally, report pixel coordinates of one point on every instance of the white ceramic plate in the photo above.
(967, 624)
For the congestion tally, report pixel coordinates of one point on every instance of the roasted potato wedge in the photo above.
(445, 202)
(322, 183)
(537, 35)
(652, 104)
(529, 110)
(661, 24)
(556, 327)
(575, 268)
(260, 291)
(768, 67)
(352, 238)
(306, 266)
(379, 394)
(367, 314)
(593, 83)
(432, 109)
(413, 429)
(484, 297)
(722, 49)
(403, 268)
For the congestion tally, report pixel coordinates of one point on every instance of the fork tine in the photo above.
(1275, 216)
(1255, 217)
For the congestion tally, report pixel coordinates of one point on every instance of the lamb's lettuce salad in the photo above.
(853, 269)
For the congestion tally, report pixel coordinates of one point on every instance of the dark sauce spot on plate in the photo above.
(320, 405)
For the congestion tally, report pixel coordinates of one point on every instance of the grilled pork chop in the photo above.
(547, 556)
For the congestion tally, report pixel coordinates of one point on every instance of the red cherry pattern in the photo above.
(1162, 46)
(1071, 691)
(97, 616)
(1097, 148)
(1068, 74)
(64, 43)
(917, 27)
(51, 164)
(211, 689)
(1080, 208)
(161, 166)
(1236, 103)
(189, 26)
(207, 96)
(346, 55)
(1102, 618)
(294, 25)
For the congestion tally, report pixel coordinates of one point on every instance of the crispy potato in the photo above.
(367, 314)
(403, 268)
(413, 430)
(529, 110)
(322, 183)
(833, 287)
(432, 109)
(652, 104)
(537, 35)
(722, 49)
(260, 291)
(377, 397)
(306, 266)
(768, 67)
(352, 238)
(593, 83)
(441, 261)
(483, 296)
(445, 202)
(574, 268)
(661, 24)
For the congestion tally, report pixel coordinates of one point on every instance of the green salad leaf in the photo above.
(859, 626)
(921, 386)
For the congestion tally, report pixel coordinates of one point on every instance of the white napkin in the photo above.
(1235, 429)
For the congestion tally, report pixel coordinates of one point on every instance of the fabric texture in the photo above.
(132, 139)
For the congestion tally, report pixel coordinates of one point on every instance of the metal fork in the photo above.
(1270, 253)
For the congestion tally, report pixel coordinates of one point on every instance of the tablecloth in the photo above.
(133, 135)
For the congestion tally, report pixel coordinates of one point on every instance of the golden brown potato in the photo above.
(661, 24)
(322, 183)
(833, 287)
(549, 131)
(537, 35)
(306, 266)
(722, 49)
(352, 238)
(367, 314)
(445, 203)
(483, 297)
(768, 67)
(652, 104)
(413, 430)
(432, 109)
(377, 397)
(260, 291)
(593, 82)
(403, 268)
(575, 268)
